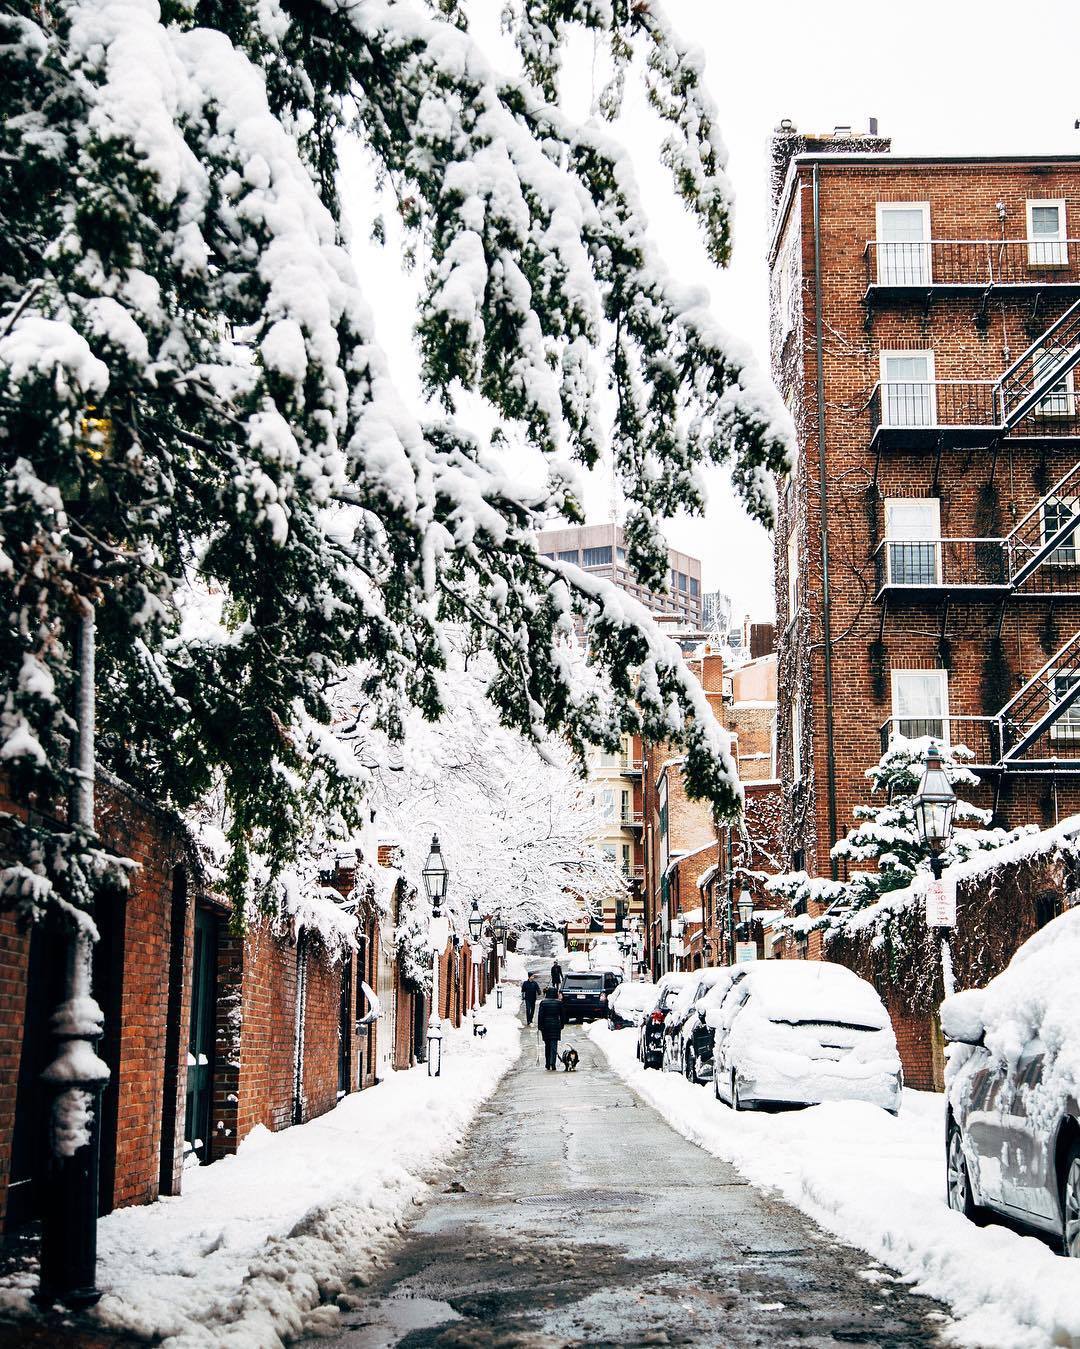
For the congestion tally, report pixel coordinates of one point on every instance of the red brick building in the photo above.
(694, 869)
(208, 1031)
(925, 328)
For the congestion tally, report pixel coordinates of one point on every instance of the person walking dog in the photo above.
(556, 976)
(530, 991)
(549, 1025)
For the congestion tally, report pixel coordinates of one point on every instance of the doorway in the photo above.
(201, 1037)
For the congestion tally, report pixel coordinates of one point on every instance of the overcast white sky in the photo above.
(941, 76)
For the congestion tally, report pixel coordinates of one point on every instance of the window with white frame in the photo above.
(1059, 400)
(903, 243)
(913, 540)
(920, 703)
(1058, 514)
(907, 388)
(1067, 727)
(607, 805)
(626, 863)
(1047, 234)
(793, 591)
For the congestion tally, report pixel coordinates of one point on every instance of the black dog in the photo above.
(569, 1060)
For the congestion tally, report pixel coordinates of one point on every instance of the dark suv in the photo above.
(584, 997)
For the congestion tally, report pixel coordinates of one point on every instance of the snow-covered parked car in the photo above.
(1012, 1140)
(650, 1046)
(799, 1032)
(629, 1003)
(684, 1020)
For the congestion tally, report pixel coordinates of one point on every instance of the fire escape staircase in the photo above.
(1039, 705)
(1034, 538)
(1033, 376)
(1037, 376)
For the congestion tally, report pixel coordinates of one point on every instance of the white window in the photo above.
(907, 388)
(920, 703)
(903, 243)
(796, 740)
(1047, 234)
(1057, 512)
(793, 595)
(1059, 401)
(607, 806)
(1067, 727)
(627, 812)
(626, 864)
(913, 534)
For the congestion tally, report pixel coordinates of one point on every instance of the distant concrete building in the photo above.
(601, 551)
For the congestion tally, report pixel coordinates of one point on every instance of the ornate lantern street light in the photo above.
(476, 923)
(746, 908)
(935, 806)
(436, 881)
(935, 809)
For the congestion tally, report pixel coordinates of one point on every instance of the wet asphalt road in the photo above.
(586, 1220)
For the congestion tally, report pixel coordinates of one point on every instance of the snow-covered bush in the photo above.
(192, 398)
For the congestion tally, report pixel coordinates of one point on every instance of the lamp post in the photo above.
(436, 880)
(935, 808)
(498, 929)
(476, 932)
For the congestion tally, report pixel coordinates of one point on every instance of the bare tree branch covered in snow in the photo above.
(192, 397)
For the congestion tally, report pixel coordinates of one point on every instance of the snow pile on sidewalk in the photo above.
(878, 1183)
(257, 1242)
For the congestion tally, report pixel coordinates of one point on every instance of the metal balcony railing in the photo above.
(630, 767)
(913, 413)
(1037, 731)
(631, 819)
(634, 873)
(971, 264)
(941, 564)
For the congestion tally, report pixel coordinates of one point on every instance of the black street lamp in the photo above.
(746, 908)
(935, 806)
(476, 923)
(436, 882)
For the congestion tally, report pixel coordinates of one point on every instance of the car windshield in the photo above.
(583, 983)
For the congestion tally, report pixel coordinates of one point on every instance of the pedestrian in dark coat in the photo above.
(556, 976)
(549, 1024)
(530, 991)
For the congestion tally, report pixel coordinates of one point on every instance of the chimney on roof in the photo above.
(788, 141)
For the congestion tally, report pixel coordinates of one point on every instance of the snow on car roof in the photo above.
(634, 995)
(1038, 994)
(814, 990)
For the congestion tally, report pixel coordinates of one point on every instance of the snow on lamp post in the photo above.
(436, 880)
(935, 807)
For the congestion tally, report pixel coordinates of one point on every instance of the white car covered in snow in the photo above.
(1013, 1084)
(799, 1032)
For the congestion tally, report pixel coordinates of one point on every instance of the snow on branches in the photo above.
(192, 400)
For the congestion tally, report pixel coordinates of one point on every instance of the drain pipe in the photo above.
(826, 600)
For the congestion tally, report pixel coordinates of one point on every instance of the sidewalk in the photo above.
(879, 1183)
(247, 1255)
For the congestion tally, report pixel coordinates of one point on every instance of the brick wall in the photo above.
(133, 974)
(981, 491)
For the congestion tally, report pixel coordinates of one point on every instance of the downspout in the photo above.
(826, 601)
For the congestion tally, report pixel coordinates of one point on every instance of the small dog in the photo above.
(569, 1060)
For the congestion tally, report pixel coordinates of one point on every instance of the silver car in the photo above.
(1012, 1142)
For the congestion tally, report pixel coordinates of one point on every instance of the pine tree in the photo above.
(887, 835)
(200, 437)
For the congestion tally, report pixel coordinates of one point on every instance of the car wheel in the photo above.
(957, 1180)
(1070, 1204)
